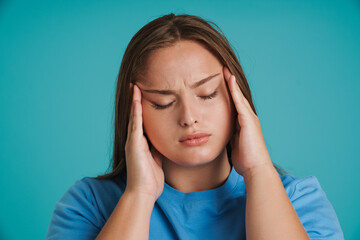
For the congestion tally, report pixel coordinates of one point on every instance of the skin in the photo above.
(269, 212)
(189, 110)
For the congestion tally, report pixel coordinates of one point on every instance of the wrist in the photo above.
(142, 196)
(260, 170)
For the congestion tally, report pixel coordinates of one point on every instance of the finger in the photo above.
(235, 91)
(227, 73)
(131, 115)
(137, 114)
(132, 95)
(241, 104)
(135, 117)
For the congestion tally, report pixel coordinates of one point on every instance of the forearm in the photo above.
(269, 212)
(130, 218)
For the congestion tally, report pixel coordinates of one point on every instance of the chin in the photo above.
(194, 158)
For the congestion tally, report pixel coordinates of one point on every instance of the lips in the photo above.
(193, 136)
(193, 140)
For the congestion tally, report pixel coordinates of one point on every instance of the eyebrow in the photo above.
(195, 85)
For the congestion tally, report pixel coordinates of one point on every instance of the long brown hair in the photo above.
(163, 32)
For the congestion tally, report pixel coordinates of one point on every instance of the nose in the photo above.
(188, 115)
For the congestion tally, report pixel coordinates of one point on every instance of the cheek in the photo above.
(149, 120)
(154, 123)
(223, 105)
(222, 112)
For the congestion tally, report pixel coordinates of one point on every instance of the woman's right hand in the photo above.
(144, 167)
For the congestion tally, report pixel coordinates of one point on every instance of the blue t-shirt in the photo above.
(212, 214)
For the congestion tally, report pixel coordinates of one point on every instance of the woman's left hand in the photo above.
(248, 146)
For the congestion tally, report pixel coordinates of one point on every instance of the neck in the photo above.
(198, 178)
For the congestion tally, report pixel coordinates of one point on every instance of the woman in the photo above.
(190, 161)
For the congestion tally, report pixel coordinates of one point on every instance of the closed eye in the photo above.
(157, 106)
(214, 94)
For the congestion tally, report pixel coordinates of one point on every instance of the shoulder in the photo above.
(93, 191)
(312, 207)
(96, 188)
(294, 184)
(84, 208)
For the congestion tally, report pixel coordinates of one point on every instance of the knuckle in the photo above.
(134, 127)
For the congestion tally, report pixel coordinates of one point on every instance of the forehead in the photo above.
(183, 63)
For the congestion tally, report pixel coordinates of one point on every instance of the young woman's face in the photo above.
(184, 93)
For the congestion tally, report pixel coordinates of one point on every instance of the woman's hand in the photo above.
(248, 146)
(144, 167)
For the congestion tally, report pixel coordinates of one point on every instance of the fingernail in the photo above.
(135, 87)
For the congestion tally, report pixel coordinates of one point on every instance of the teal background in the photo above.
(58, 66)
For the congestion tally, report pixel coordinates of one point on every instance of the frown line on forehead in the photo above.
(193, 86)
